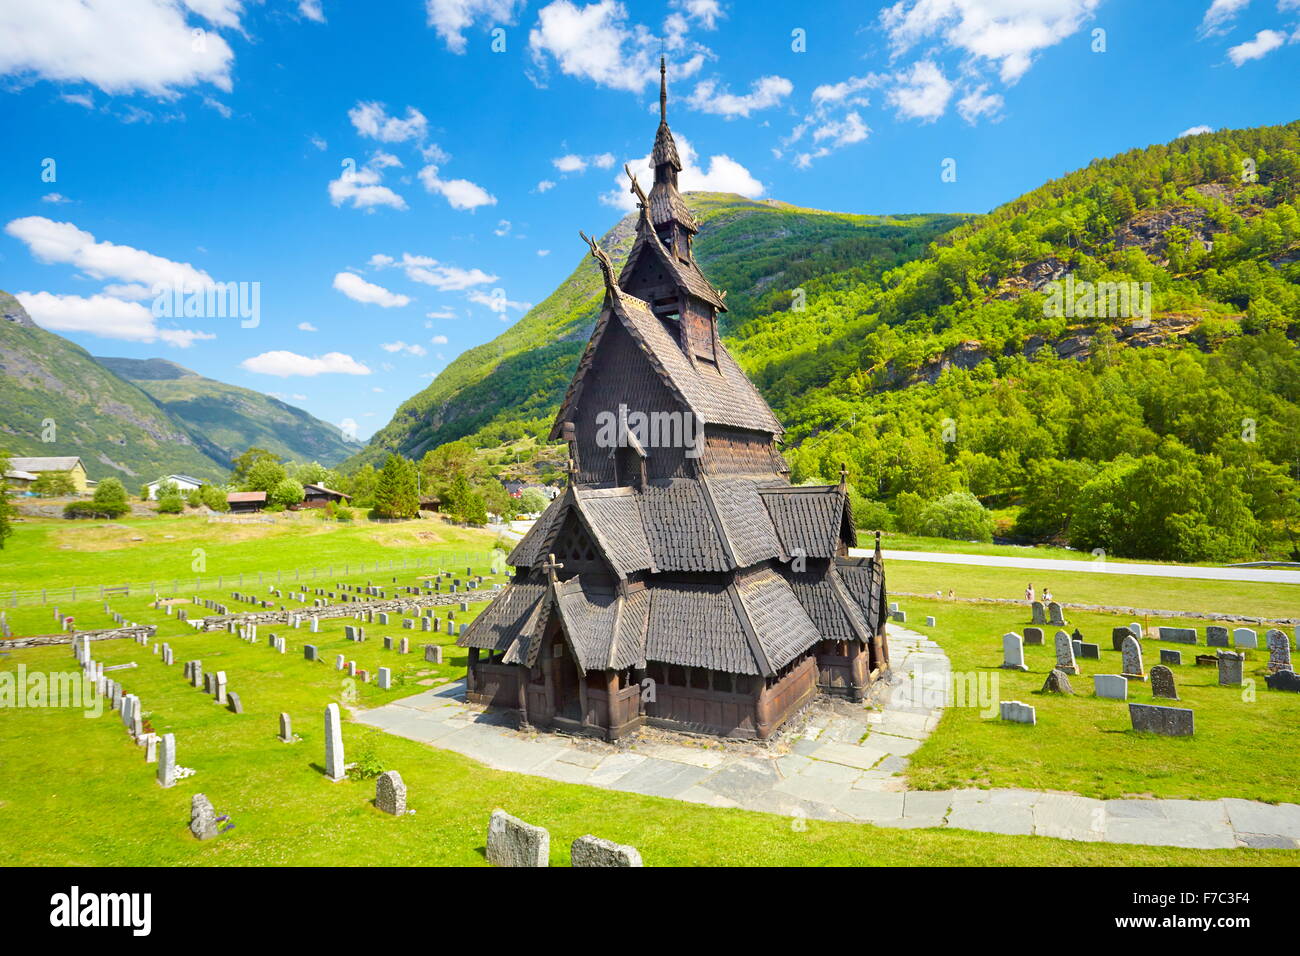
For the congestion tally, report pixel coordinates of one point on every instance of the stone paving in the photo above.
(844, 764)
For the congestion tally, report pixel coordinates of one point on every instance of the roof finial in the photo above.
(637, 191)
(601, 257)
(663, 90)
(844, 474)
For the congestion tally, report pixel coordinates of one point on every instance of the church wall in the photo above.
(736, 451)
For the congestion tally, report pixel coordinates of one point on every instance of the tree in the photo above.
(462, 503)
(6, 508)
(109, 501)
(314, 473)
(264, 476)
(286, 493)
(214, 497)
(395, 495)
(54, 484)
(532, 502)
(361, 486)
(958, 515)
(243, 465)
(496, 501)
(170, 504)
(1050, 492)
(440, 467)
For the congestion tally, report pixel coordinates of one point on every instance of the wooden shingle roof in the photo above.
(685, 273)
(810, 519)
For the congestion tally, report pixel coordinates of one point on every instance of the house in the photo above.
(20, 480)
(184, 483)
(69, 465)
(680, 580)
(244, 502)
(317, 496)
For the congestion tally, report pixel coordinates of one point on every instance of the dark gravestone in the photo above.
(1207, 660)
(309, 652)
(1117, 635)
(1231, 666)
(1180, 635)
(1033, 635)
(1057, 683)
(1283, 680)
(1166, 721)
(234, 703)
(1162, 683)
(1168, 656)
(1216, 636)
(1089, 652)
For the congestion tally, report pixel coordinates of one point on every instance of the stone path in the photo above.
(1266, 575)
(842, 768)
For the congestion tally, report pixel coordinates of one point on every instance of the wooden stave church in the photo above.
(685, 585)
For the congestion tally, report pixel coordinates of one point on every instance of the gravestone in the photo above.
(1013, 652)
(390, 793)
(1111, 686)
(1162, 682)
(1117, 635)
(383, 618)
(309, 652)
(1231, 666)
(593, 851)
(196, 673)
(207, 682)
(1132, 654)
(150, 748)
(334, 769)
(234, 702)
(1089, 652)
(1283, 680)
(1033, 635)
(433, 653)
(1168, 656)
(1057, 683)
(1040, 613)
(385, 678)
(1279, 650)
(167, 760)
(1244, 637)
(929, 622)
(286, 728)
(1207, 660)
(1017, 713)
(512, 842)
(1065, 654)
(1216, 636)
(1167, 721)
(203, 819)
(1178, 635)
(405, 646)
(315, 625)
(1055, 616)
(219, 687)
(388, 643)
(426, 624)
(899, 616)
(339, 663)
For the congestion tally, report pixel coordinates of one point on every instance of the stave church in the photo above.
(680, 580)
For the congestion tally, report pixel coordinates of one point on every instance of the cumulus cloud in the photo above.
(503, 228)
(450, 18)
(285, 364)
(105, 316)
(921, 93)
(1195, 131)
(979, 102)
(62, 242)
(459, 193)
(120, 46)
(1219, 16)
(438, 340)
(497, 302)
(364, 189)
(372, 120)
(723, 175)
(359, 290)
(443, 277)
(311, 10)
(765, 92)
(400, 346)
(1264, 43)
(307, 327)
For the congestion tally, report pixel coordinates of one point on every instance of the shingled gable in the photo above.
(685, 274)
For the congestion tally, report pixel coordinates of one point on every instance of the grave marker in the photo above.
(1111, 686)
(1013, 652)
(512, 842)
(390, 793)
(1166, 721)
(334, 769)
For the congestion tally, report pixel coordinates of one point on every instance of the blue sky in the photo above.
(402, 179)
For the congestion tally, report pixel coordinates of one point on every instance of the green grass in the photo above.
(1248, 599)
(897, 541)
(77, 791)
(1083, 744)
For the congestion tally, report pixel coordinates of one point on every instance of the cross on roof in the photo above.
(844, 474)
(550, 566)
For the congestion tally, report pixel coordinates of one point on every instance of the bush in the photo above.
(344, 514)
(54, 484)
(286, 493)
(532, 502)
(170, 505)
(88, 509)
(214, 497)
(957, 515)
(194, 498)
(110, 496)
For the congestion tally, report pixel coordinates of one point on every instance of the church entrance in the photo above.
(568, 700)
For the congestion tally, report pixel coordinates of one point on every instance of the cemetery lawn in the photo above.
(1083, 744)
(1109, 590)
(76, 791)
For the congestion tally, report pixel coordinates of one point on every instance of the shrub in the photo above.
(958, 515)
(170, 505)
(285, 493)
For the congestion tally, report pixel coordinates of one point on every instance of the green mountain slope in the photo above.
(51, 387)
(758, 251)
(225, 420)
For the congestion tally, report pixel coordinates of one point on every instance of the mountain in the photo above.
(225, 420)
(50, 387)
(1155, 414)
(760, 251)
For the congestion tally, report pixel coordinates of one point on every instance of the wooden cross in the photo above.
(844, 474)
(573, 472)
(550, 566)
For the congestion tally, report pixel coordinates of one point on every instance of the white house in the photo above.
(185, 483)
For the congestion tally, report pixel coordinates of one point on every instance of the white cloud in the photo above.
(400, 346)
(438, 340)
(572, 163)
(706, 13)
(921, 93)
(443, 313)
(724, 175)
(497, 302)
(503, 228)
(834, 134)
(1219, 16)
(545, 184)
(765, 92)
(1007, 33)
(459, 193)
(218, 106)
(1264, 43)
(63, 242)
(319, 143)
(1195, 131)
(285, 364)
(363, 188)
(371, 119)
(56, 198)
(120, 46)
(444, 278)
(595, 42)
(845, 91)
(129, 290)
(311, 10)
(307, 327)
(543, 252)
(451, 17)
(382, 160)
(105, 316)
(78, 99)
(359, 290)
(978, 102)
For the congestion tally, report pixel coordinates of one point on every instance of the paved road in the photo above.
(1258, 575)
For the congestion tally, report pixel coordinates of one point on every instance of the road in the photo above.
(1254, 575)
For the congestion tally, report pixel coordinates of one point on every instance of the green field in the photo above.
(1083, 744)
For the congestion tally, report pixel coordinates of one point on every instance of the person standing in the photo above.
(1047, 595)
(1029, 594)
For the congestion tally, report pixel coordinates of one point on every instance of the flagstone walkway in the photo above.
(842, 767)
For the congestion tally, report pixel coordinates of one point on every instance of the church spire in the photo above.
(663, 92)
